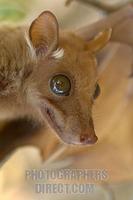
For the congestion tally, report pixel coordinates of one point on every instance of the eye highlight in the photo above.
(97, 91)
(60, 85)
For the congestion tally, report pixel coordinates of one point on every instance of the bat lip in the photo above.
(52, 121)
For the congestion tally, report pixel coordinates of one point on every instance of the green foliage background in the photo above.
(14, 10)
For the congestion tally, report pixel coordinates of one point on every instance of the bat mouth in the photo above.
(84, 139)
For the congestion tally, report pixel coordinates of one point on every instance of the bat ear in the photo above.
(43, 33)
(98, 42)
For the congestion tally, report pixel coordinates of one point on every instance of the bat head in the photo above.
(59, 78)
(66, 77)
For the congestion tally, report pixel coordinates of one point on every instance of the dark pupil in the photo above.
(97, 91)
(60, 85)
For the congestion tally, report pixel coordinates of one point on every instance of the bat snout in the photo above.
(85, 135)
(86, 138)
(88, 135)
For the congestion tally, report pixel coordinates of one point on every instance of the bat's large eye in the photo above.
(97, 92)
(60, 85)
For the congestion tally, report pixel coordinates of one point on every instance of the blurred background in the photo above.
(112, 113)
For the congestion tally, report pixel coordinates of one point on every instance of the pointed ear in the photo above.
(97, 43)
(43, 33)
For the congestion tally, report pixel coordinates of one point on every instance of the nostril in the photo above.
(88, 139)
(83, 138)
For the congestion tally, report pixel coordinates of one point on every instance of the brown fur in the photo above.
(27, 66)
(16, 65)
